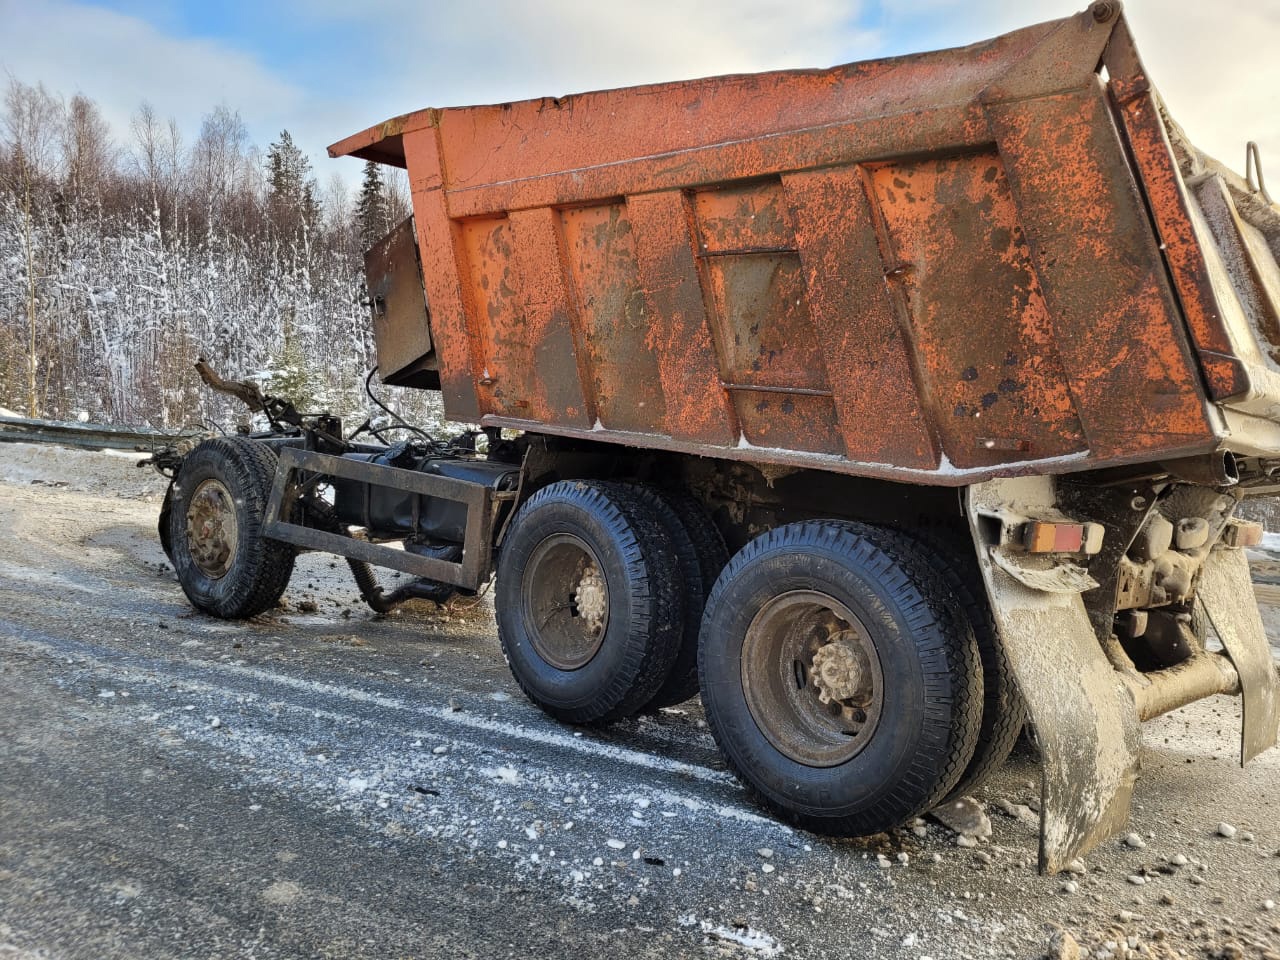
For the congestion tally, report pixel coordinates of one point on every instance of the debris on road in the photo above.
(965, 816)
(367, 732)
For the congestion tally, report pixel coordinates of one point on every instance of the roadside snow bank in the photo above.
(109, 472)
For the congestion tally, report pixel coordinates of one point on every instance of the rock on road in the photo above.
(323, 783)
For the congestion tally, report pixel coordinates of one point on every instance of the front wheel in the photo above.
(839, 678)
(216, 508)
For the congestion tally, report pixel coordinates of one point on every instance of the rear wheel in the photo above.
(588, 602)
(839, 679)
(216, 509)
(1003, 712)
(700, 555)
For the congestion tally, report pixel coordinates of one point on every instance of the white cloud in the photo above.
(120, 60)
(1213, 63)
(499, 50)
(401, 55)
(429, 54)
(574, 45)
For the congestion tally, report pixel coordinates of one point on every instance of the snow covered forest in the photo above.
(125, 258)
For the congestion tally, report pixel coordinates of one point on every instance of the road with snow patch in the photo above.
(323, 783)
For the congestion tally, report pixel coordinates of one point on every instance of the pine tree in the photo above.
(371, 207)
(293, 375)
(291, 201)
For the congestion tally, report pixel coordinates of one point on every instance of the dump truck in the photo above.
(891, 408)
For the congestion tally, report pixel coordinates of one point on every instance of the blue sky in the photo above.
(326, 68)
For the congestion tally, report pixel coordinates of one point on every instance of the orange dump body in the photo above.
(940, 268)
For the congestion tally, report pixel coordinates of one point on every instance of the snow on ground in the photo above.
(406, 736)
(111, 472)
(1269, 549)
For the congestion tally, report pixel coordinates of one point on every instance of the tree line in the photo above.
(123, 260)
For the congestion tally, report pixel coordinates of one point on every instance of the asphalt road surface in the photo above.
(323, 783)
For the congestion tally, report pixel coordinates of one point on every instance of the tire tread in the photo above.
(1003, 710)
(944, 645)
(263, 566)
(700, 555)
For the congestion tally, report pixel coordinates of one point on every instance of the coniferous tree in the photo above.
(371, 207)
(291, 199)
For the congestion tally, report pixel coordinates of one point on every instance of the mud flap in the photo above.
(1226, 590)
(1085, 719)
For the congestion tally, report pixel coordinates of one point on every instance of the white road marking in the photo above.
(549, 738)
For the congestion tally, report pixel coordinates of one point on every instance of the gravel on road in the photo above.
(323, 782)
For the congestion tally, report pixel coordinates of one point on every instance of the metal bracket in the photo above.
(479, 499)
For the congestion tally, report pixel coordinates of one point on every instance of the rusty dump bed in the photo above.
(988, 261)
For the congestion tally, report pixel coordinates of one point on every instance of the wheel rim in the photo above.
(212, 530)
(566, 601)
(812, 678)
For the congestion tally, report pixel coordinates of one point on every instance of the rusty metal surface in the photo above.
(994, 385)
(938, 268)
(1086, 723)
(1226, 590)
(1132, 378)
(855, 319)
(1139, 111)
(698, 411)
(393, 280)
(625, 378)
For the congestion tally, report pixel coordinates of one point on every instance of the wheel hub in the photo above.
(812, 678)
(836, 674)
(566, 601)
(590, 598)
(212, 531)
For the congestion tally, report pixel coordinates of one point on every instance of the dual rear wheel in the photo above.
(842, 675)
(600, 591)
(839, 676)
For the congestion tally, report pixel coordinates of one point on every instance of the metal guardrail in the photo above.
(87, 436)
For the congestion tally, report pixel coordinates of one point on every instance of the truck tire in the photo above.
(1003, 710)
(588, 602)
(701, 554)
(226, 566)
(839, 679)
